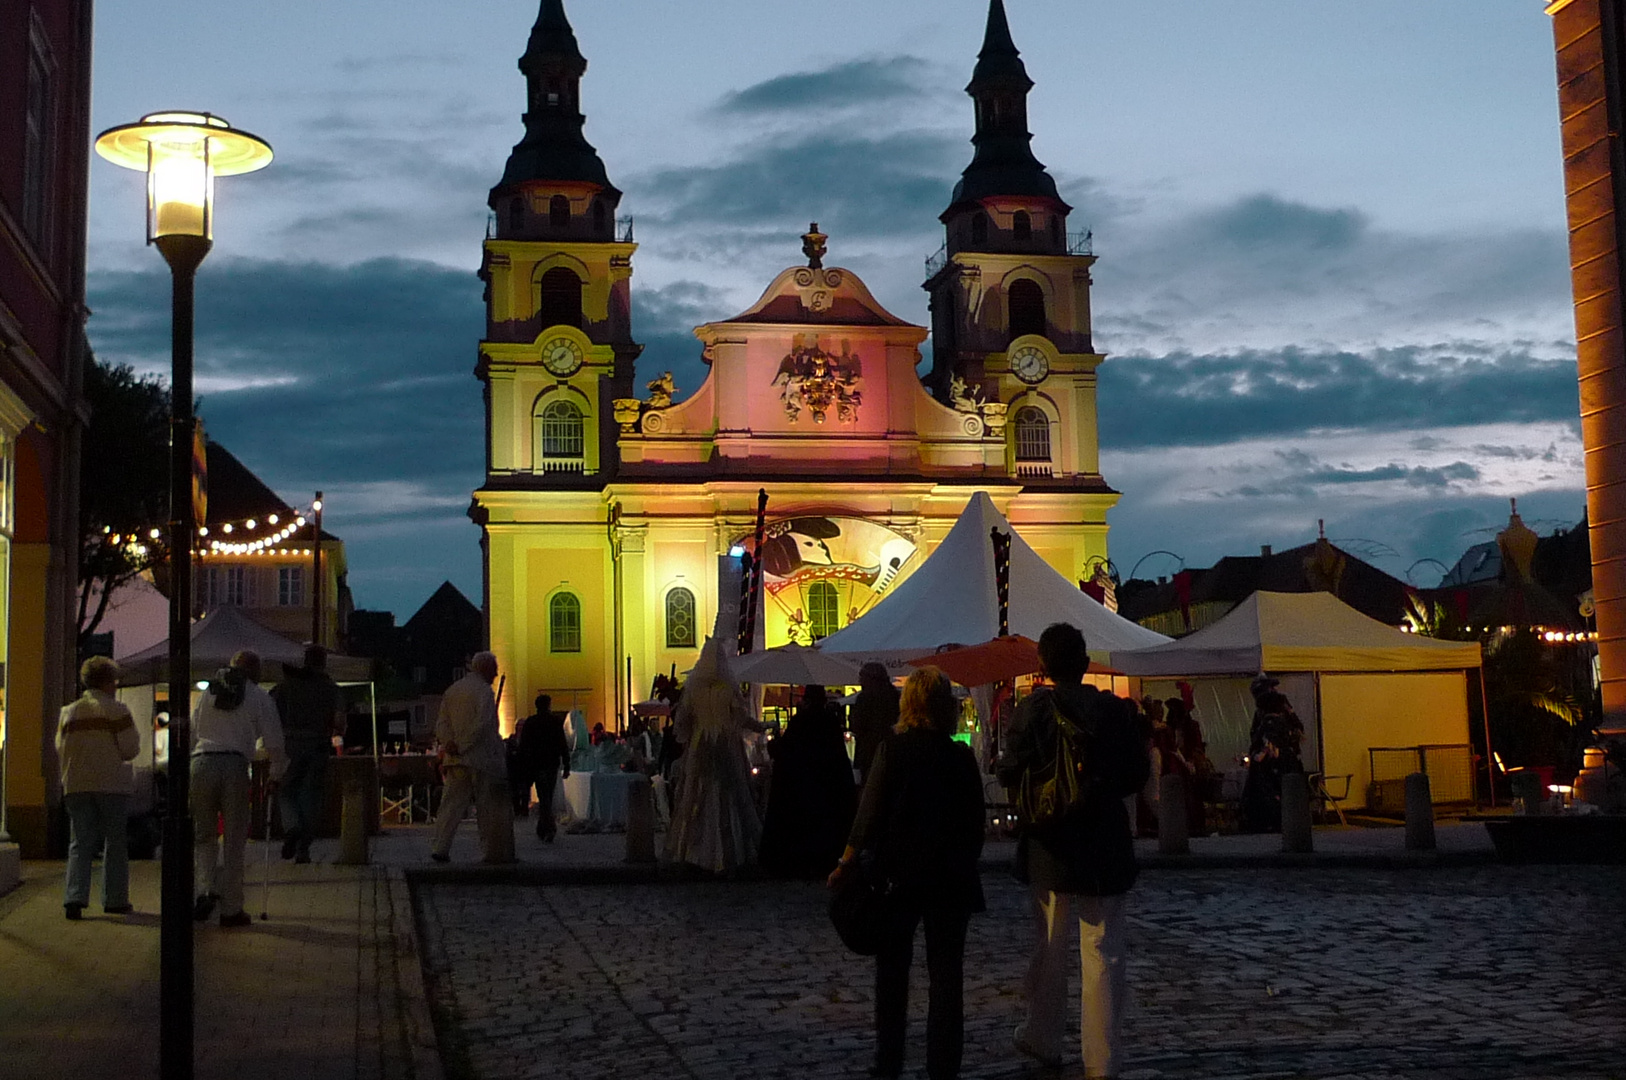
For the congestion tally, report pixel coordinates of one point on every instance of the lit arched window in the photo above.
(823, 609)
(680, 619)
(559, 298)
(1026, 302)
(1032, 434)
(564, 623)
(1021, 225)
(560, 440)
(979, 228)
(558, 211)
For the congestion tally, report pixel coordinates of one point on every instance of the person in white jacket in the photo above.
(473, 765)
(233, 719)
(95, 739)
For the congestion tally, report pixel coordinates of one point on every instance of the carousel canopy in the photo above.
(953, 599)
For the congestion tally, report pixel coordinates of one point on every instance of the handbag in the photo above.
(861, 907)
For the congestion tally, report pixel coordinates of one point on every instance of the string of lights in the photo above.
(251, 536)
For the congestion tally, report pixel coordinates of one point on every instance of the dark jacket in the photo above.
(922, 817)
(542, 743)
(872, 717)
(1091, 853)
(306, 702)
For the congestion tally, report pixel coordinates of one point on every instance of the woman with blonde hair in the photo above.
(96, 739)
(921, 819)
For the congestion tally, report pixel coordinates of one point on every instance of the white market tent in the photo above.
(1357, 683)
(953, 599)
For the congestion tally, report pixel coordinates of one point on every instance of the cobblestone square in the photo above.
(1489, 972)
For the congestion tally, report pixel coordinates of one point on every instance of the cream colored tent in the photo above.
(1357, 684)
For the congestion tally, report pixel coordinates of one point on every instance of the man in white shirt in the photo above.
(233, 720)
(473, 765)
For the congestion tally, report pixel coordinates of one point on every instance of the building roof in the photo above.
(445, 604)
(236, 494)
(802, 295)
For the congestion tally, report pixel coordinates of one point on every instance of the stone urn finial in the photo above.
(626, 412)
(813, 246)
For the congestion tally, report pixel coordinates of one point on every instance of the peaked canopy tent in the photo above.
(953, 599)
(1358, 683)
(222, 633)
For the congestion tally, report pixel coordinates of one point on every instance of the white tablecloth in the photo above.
(598, 799)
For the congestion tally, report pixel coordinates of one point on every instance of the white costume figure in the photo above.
(714, 822)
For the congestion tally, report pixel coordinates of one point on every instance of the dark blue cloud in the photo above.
(867, 84)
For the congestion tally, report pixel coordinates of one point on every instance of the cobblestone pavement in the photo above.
(1490, 973)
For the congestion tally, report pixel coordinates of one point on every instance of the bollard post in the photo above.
(640, 820)
(1173, 837)
(1419, 813)
(353, 819)
(1297, 837)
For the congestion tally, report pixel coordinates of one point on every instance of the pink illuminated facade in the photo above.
(604, 514)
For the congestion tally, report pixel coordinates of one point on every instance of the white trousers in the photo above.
(493, 811)
(1103, 978)
(220, 792)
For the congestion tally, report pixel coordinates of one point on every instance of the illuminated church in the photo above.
(603, 513)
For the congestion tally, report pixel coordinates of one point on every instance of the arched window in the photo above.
(558, 211)
(564, 623)
(559, 437)
(979, 228)
(516, 215)
(1021, 225)
(680, 619)
(559, 298)
(598, 216)
(1026, 302)
(823, 609)
(1032, 434)
(1055, 227)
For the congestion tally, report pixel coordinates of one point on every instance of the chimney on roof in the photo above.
(1264, 551)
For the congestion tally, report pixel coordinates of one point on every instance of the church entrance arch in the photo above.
(822, 571)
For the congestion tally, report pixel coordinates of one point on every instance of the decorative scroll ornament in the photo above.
(812, 379)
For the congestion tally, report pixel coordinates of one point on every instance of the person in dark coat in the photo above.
(811, 797)
(1274, 743)
(873, 715)
(312, 712)
(922, 818)
(1082, 867)
(542, 753)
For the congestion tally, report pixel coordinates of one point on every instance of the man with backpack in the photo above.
(1072, 755)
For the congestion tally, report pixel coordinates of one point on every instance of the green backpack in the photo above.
(1049, 793)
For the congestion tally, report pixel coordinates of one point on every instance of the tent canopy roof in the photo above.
(952, 599)
(221, 634)
(1272, 631)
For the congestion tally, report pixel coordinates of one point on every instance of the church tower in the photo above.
(557, 266)
(1010, 289)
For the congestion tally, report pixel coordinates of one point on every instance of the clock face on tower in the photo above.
(1030, 364)
(562, 356)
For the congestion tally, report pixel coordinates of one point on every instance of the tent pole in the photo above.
(1490, 755)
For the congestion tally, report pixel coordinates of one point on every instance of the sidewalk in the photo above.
(330, 987)
(327, 987)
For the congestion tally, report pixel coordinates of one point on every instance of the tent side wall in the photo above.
(1361, 711)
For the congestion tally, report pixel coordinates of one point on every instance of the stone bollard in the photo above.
(640, 820)
(1419, 813)
(353, 819)
(1172, 834)
(1296, 835)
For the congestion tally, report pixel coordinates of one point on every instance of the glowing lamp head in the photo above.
(182, 153)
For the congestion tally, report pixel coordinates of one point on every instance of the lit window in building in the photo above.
(290, 586)
(680, 619)
(564, 624)
(1032, 435)
(1026, 301)
(1021, 225)
(37, 130)
(823, 609)
(560, 438)
(225, 586)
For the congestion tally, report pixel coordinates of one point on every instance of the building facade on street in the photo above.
(45, 51)
(604, 514)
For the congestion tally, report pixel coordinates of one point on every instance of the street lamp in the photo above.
(181, 153)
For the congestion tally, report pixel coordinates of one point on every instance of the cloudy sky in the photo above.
(1332, 272)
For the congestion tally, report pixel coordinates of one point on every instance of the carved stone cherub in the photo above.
(661, 391)
(966, 399)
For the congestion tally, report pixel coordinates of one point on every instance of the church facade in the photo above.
(604, 513)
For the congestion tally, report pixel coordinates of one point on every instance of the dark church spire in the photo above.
(1004, 164)
(554, 148)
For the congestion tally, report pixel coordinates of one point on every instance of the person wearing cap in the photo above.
(232, 721)
(96, 738)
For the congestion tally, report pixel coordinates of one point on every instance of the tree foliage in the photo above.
(124, 485)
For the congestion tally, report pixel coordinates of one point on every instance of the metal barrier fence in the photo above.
(1448, 766)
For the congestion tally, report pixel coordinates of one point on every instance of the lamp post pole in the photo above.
(184, 254)
(181, 153)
